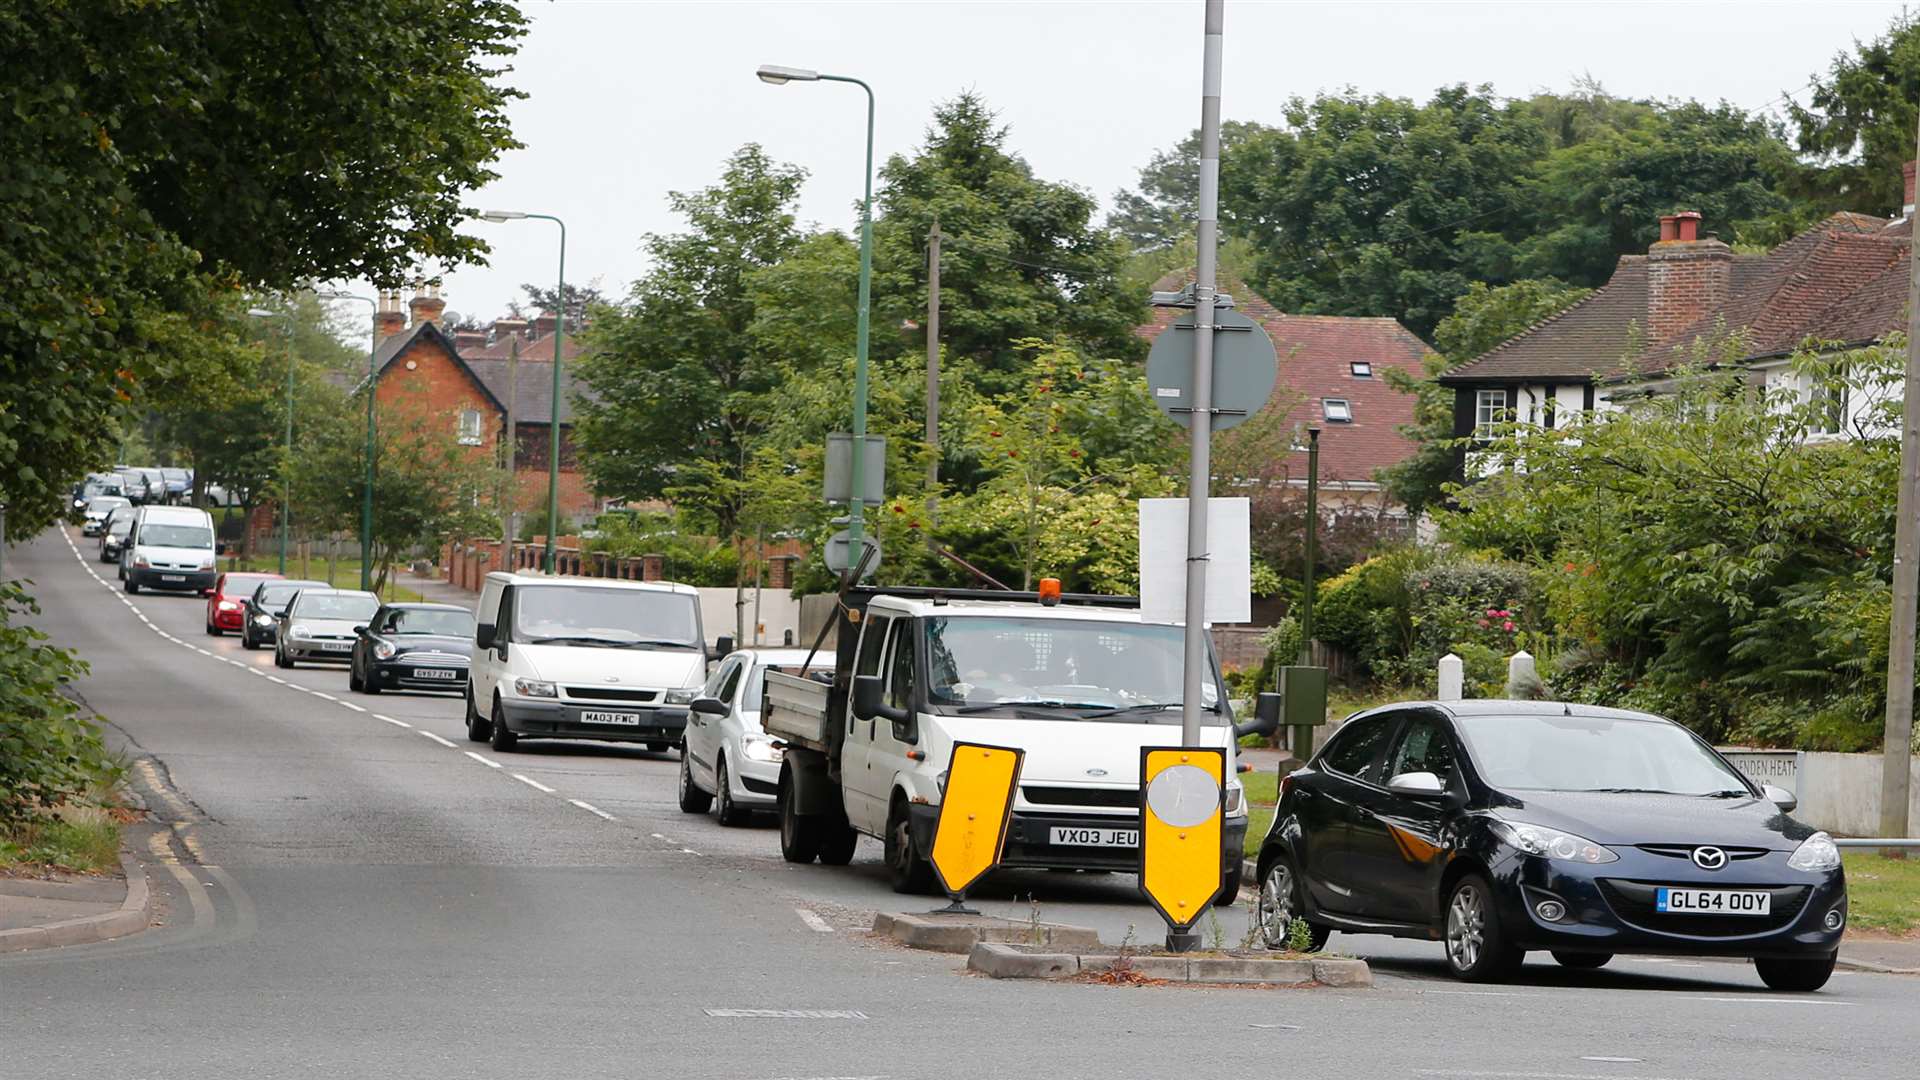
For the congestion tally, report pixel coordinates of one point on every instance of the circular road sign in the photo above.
(1183, 796)
(840, 556)
(1244, 369)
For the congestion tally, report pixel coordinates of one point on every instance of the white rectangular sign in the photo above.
(1163, 561)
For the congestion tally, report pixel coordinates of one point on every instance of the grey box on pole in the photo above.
(873, 472)
(1303, 705)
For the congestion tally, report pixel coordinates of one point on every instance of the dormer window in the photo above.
(1361, 369)
(1337, 410)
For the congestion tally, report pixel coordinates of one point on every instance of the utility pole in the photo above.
(933, 377)
(1313, 545)
(511, 486)
(1204, 292)
(1896, 754)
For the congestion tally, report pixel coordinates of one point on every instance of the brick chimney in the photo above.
(426, 304)
(465, 341)
(1687, 277)
(543, 325)
(1906, 202)
(388, 320)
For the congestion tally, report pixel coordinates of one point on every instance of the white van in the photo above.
(169, 547)
(583, 658)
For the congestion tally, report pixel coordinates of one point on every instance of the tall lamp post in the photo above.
(777, 75)
(366, 495)
(286, 480)
(559, 345)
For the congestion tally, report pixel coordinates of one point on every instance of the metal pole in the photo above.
(1896, 751)
(553, 434)
(366, 498)
(1313, 545)
(933, 376)
(286, 477)
(856, 509)
(3, 541)
(509, 488)
(1202, 416)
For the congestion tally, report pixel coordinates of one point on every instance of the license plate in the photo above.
(625, 719)
(337, 646)
(434, 673)
(1076, 836)
(1712, 902)
(173, 577)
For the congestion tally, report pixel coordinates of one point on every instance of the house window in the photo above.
(1337, 410)
(1489, 412)
(1361, 369)
(469, 427)
(1829, 407)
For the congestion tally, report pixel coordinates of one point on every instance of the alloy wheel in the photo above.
(1466, 927)
(1276, 912)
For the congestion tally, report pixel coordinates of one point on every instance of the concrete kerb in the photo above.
(1012, 961)
(960, 933)
(134, 915)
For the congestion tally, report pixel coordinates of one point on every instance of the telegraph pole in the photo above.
(1896, 754)
(933, 375)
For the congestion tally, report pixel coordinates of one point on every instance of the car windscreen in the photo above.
(1088, 669)
(428, 621)
(242, 584)
(334, 606)
(103, 503)
(120, 527)
(176, 536)
(177, 475)
(1594, 753)
(613, 618)
(274, 596)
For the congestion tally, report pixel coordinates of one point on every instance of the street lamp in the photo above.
(778, 76)
(559, 344)
(366, 499)
(286, 479)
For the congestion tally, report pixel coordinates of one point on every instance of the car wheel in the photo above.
(907, 870)
(1280, 904)
(369, 685)
(799, 833)
(1477, 949)
(131, 586)
(213, 631)
(500, 737)
(280, 657)
(246, 641)
(353, 678)
(478, 728)
(692, 799)
(1798, 975)
(1230, 884)
(837, 841)
(1581, 961)
(659, 747)
(731, 815)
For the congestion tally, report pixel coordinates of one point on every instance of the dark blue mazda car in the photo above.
(1499, 827)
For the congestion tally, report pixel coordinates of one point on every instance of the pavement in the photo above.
(346, 887)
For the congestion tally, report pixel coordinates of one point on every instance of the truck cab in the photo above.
(1079, 687)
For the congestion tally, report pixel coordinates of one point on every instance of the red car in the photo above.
(227, 603)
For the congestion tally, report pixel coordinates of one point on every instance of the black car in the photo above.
(1499, 827)
(413, 647)
(265, 607)
(114, 536)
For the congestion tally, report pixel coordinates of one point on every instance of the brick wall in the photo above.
(1686, 277)
(424, 386)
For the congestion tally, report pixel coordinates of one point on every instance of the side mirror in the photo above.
(1417, 785)
(1780, 797)
(709, 706)
(1266, 717)
(722, 646)
(868, 694)
(483, 636)
(359, 631)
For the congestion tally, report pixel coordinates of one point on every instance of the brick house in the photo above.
(1332, 375)
(468, 381)
(1842, 283)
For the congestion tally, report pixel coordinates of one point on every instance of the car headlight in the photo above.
(141, 561)
(1816, 852)
(759, 748)
(229, 605)
(681, 696)
(1552, 843)
(299, 631)
(534, 688)
(383, 650)
(1234, 797)
(263, 621)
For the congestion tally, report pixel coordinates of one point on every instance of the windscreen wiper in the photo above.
(1152, 706)
(1027, 703)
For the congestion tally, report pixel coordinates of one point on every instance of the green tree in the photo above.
(1858, 127)
(1164, 207)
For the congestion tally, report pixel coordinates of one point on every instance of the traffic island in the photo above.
(961, 933)
(42, 914)
(1011, 960)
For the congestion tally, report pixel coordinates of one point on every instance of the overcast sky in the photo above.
(630, 100)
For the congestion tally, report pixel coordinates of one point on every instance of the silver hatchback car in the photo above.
(318, 626)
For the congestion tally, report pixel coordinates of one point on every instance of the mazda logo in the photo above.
(1709, 858)
(1096, 772)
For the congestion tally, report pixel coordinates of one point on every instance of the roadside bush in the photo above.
(691, 559)
(1470, 600)
(49, 752)
(1367, 612)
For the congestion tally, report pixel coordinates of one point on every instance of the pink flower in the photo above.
(1507, 626)
(1493, 611)
(1484, 622)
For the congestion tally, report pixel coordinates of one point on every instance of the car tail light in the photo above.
(1286, 785)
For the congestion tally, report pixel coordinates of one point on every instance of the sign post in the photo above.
(975, 809)
(1182, 803)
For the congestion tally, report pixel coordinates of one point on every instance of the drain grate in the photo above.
(787, 1014)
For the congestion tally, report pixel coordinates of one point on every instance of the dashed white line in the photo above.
(438, 739)
(592, 809)
(814, 922)
(1762, 999)
(323, 697)
(532, 783)
(281, 681)
(488, 762)
(355, 708)
(391, 720)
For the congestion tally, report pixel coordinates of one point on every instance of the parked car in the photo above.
(726, 757)
(1500, 827)
(93, 519)
(179, 484)
(583, 658)
(227, 603)
(156, 484)
(169, 547)
(318, 625)
(412, 647)
(95, 484)
(264, 607)
(113, 534)
(133, 483)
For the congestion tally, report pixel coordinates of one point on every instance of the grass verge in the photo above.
(1883, 894)
(346, 574)
(77, 839)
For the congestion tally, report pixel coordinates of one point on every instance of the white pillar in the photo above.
(1522, 681)
(1452, 678)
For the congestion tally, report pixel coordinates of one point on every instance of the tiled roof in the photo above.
(534, 404)
(1584, 341)
(1315, 356)
(537, 350)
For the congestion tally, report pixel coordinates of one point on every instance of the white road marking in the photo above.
(787, 1014)
(325, 697)
(532, 783)
(1474, 1074)
(1603, 1057)
(814, 922)
(281, 681)
(438, 739)
(355, 708)
(1476, 993)
(488, 762)
(1761, 999)
(391, 720)
(592, 809)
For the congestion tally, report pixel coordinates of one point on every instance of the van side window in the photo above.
(871, 639)
(503, 619)
(900, 667)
